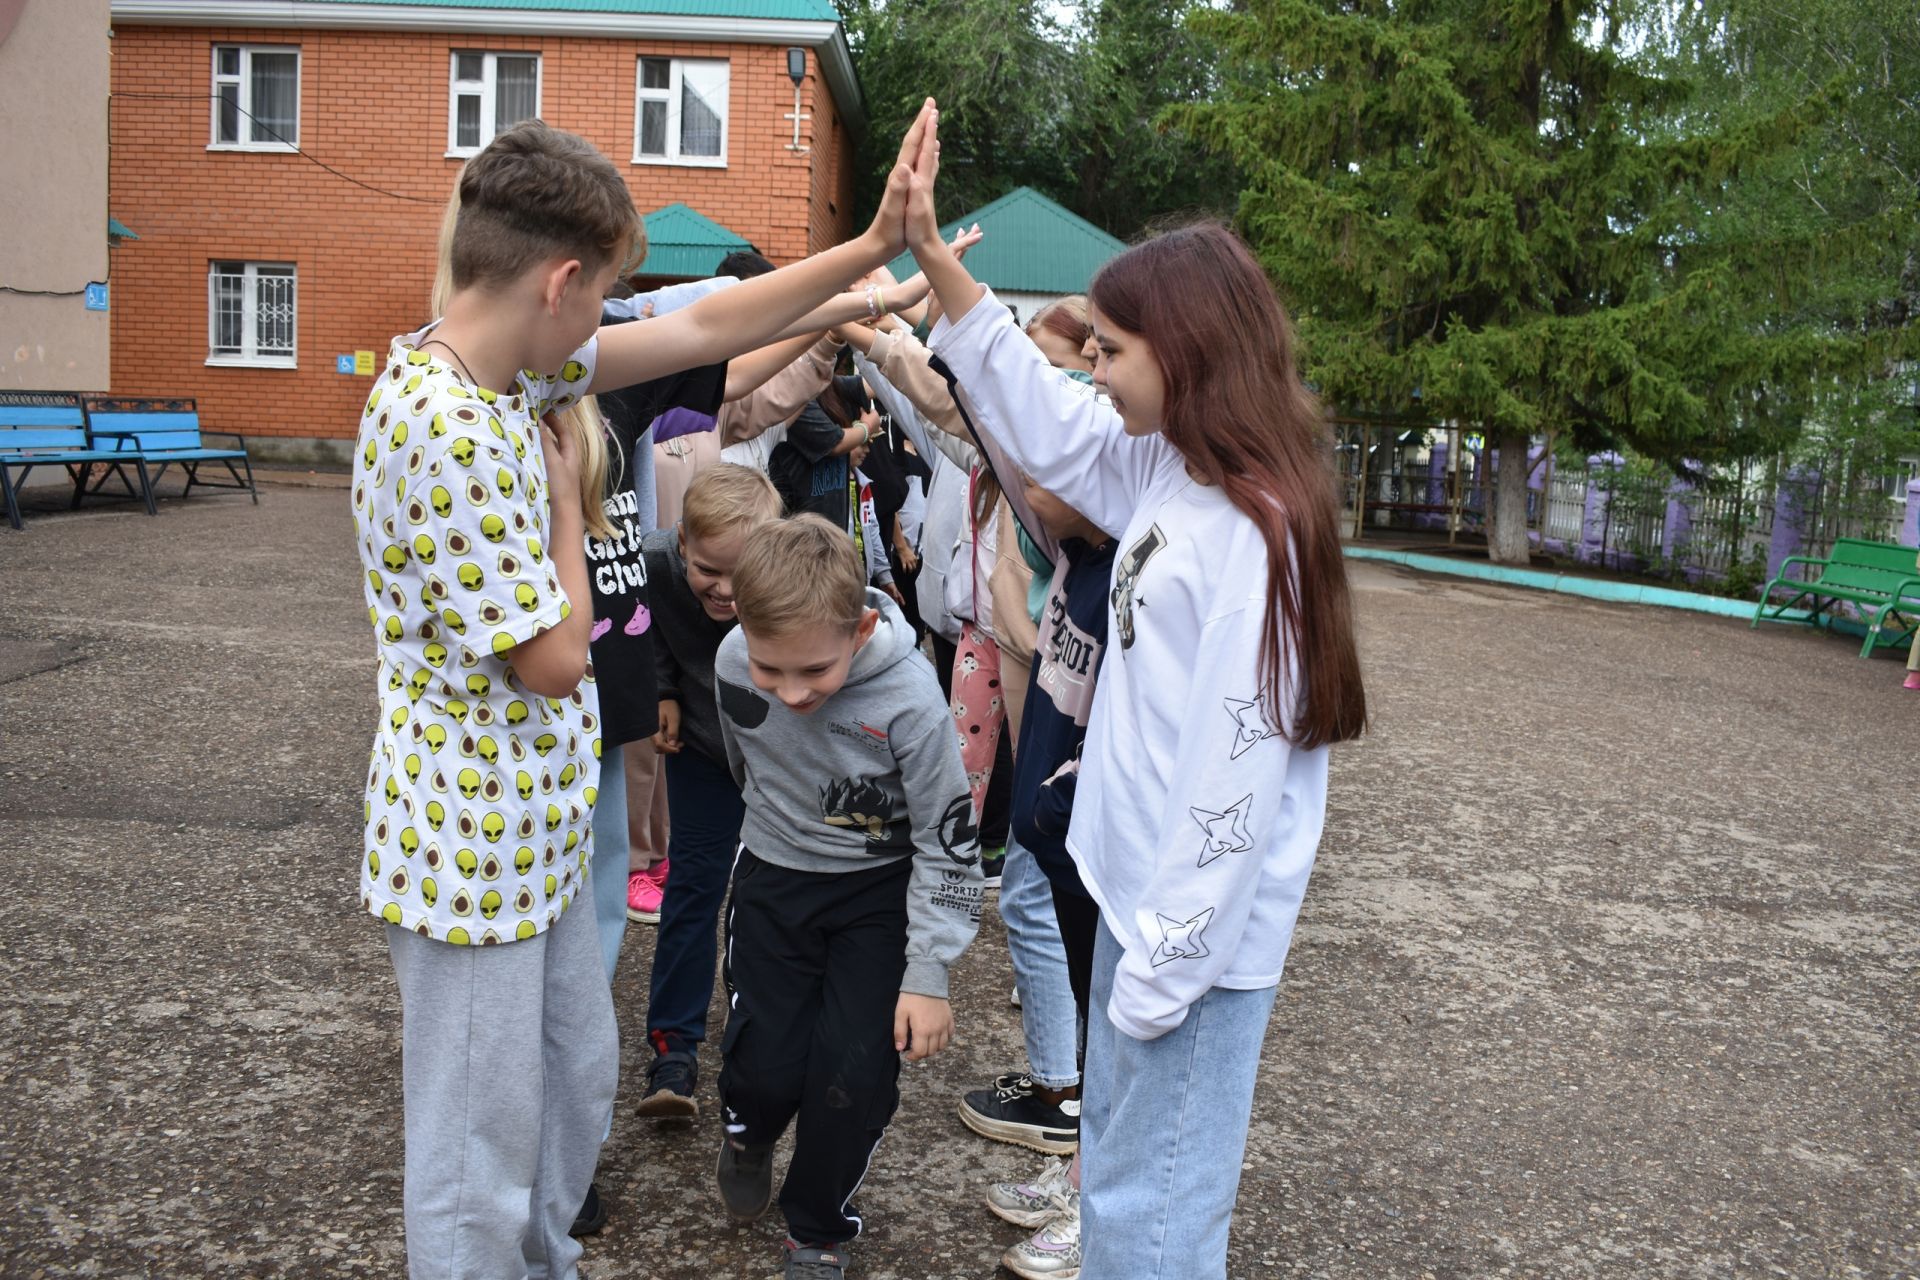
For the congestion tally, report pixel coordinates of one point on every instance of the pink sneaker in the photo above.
(1913, 680)
(644, 891)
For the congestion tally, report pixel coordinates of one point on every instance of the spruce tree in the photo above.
(1490, 212)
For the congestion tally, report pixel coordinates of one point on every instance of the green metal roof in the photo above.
(118, 230)
(1032, 245)
(682, 241)
(799, 10)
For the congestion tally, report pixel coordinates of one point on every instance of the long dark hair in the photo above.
(1239, 415)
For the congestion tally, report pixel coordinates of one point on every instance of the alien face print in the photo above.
(1251, 723)
(1181, 939)
(1126, 579)
(1226, 832)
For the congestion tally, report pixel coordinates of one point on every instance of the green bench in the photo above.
(48, 429)
(1879, 579)
(160, 432)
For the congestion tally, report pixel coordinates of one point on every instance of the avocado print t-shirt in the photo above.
(479, 792)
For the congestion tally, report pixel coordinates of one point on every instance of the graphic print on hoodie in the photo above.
(870, 776)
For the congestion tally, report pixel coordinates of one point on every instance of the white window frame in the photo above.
(671, 96)
(249, 355)
(485, 89)
(244, 81)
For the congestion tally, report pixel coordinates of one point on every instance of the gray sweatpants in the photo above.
(509, 1061)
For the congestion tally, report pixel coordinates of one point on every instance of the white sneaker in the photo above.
(1053, 1252)
(1033, 1204)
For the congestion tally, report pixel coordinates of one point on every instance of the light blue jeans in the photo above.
(608, 872)
(1163, 1128)
(1047, 1014)
(609, 869)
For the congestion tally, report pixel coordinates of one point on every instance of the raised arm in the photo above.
(780, 397)
(756, 312)
(747, 373)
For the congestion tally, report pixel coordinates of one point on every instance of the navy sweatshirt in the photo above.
(1066, 663)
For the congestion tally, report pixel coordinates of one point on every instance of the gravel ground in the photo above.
(1608, 968)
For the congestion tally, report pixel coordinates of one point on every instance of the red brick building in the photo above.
(285, 164)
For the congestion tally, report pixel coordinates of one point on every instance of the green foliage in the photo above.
(1488, 210)
(1058, 98)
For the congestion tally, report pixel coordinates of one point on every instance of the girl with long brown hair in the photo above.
(1231, 670)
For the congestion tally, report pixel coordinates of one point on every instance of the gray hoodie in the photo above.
(871, 776)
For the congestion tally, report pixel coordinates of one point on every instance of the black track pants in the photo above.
(814, 963)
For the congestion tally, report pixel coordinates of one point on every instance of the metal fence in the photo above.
(1625, 513)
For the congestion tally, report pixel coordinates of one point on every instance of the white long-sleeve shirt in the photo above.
(1195, 823)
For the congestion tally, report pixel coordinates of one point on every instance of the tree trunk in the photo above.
(1507, 530)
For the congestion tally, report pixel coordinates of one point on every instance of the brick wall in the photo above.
(374, 106)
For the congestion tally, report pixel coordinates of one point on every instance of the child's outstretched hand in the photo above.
(923, 222)
(888, 231)
(922, 1025)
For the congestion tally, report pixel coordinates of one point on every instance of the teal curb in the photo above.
(1591, 588)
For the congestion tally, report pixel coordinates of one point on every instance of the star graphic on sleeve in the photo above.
(1181, 939)
(1226, 832)
(1251, 725)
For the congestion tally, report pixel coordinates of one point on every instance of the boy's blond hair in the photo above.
(582, 418)
(725, 499)
(798, 574)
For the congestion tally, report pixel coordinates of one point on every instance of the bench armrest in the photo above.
(1780, 574)
(234, 436)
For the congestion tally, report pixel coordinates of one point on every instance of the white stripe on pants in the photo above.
(509, 1067)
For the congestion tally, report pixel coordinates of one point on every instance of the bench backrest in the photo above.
(148, 424)
(1869, 566)
(41, 420)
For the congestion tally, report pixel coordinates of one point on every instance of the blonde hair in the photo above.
(590, 435)
(725, 499)
(443, 270)
(583, 417)
(798, 574)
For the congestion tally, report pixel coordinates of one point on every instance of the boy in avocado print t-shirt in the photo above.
(479, 792)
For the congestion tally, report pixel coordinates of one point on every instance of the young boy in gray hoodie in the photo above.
(857, 885)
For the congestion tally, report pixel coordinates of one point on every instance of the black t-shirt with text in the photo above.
(622, 645)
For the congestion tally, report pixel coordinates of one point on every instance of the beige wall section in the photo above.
(53, 194)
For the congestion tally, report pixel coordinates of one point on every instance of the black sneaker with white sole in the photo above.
(745, 1178)
(1015, 1111)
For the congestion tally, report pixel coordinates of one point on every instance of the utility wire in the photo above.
(265, 128)
(288, 143)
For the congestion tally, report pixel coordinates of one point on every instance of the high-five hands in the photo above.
(919, 161)
(923, 223)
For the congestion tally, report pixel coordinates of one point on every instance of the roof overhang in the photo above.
(826, 39)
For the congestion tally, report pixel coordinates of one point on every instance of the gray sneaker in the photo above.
(1031, 1204)
(745, 1178)
(815, 1262)
(1053, 1252)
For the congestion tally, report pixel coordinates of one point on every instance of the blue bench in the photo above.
(162, 433)
(48, 429)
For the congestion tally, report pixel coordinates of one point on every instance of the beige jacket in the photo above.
(773, 403)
